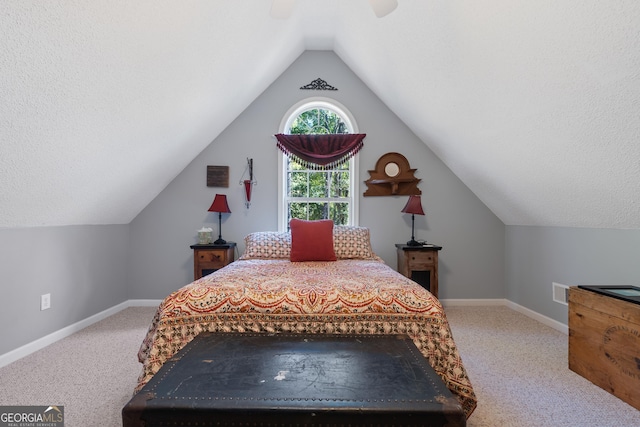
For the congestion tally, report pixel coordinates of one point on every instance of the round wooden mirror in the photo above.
(391, 169)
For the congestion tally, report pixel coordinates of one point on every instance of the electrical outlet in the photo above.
(45, 301)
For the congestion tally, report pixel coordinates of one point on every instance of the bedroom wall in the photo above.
(83, 268)
(538, 256)
(471, 263)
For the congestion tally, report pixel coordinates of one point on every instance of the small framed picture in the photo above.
(218, 176)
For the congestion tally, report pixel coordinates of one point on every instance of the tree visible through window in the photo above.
(318, 193)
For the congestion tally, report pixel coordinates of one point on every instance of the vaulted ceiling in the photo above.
(535, 106)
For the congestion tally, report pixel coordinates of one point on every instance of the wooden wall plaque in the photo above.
(217, 176)
(392, 177)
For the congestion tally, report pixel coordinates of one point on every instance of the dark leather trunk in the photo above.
(246, 380)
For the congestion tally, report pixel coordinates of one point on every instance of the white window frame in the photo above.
(285, 125)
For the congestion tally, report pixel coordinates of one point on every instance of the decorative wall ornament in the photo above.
(248, 183)
(217, 176)
(392, 177)
(318, 84)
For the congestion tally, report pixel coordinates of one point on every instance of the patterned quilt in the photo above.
(341, 297)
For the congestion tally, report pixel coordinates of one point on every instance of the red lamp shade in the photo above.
(220, 204)
(413, 206)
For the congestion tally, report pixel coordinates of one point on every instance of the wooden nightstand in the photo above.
(420, 264)
(209, 258)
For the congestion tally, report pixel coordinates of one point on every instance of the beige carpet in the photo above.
(518, 368)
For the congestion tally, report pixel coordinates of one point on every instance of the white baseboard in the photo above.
(472, 302)
(561, 327)
(144, 302)
(41, 343)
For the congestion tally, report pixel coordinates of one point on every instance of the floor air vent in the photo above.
(560, 293)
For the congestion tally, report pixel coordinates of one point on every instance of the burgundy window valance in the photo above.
(321, 151)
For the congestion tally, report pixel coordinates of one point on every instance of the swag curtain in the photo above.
(320, 151)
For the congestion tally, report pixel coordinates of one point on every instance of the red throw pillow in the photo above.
(312, 240)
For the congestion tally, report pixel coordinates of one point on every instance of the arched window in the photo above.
(311, 193)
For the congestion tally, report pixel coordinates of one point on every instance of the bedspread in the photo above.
(272, 296)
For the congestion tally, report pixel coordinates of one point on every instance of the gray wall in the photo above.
(82, 267)
(90, 268)
(471, 263)
(538, 256)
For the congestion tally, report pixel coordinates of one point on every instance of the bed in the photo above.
(282, 283)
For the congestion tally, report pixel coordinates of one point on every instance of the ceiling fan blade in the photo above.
(383, 7)
(282, 9)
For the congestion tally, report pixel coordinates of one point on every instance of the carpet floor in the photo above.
(517, 365)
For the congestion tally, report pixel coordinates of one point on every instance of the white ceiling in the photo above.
(534, 105)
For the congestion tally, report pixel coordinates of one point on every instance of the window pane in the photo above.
(318, 184)
(297, 210)
(339, 213)
(339, 184)
(318, 211)
(318, 121)
(293, 165)
(298, 184)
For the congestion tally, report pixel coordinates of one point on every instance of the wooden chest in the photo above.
(294, 379)
(604, 342)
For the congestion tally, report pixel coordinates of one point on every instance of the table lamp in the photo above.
(414, 207)
(221, 206)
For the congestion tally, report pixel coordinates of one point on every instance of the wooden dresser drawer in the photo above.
(209, 258)
(420, 260)
(213, 257)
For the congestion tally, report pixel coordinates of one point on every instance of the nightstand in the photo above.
(209, 258)
(420, 264)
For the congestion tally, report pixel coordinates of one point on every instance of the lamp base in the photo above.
(413, 242)
(220, 241)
